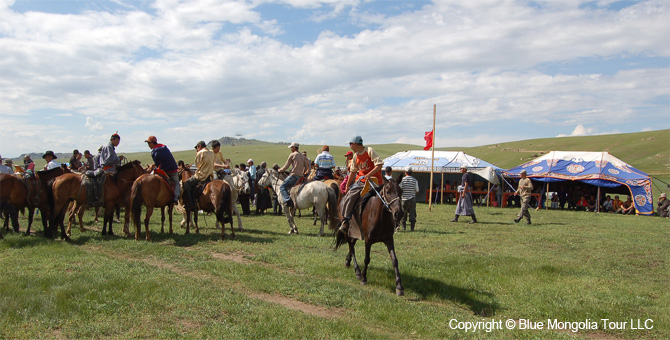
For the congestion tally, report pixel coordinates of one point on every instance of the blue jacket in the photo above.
(163, 158)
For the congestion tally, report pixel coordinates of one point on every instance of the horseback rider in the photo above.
(75, 160)
(89, 165)
(365, 165)
(108, 157)
(300, 168)
(49, 156)
(325, 163)
(164, 160)
(220, 164)
(204, 161)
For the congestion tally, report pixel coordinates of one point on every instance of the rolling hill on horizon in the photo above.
(647, 151)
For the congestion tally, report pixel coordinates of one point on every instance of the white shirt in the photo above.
(5, 170)
(52, 165)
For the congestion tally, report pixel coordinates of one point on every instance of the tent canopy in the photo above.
(596, 168)
(444, 161)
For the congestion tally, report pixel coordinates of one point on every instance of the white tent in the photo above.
(447, 165)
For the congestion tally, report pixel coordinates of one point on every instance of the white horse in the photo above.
(314, 194)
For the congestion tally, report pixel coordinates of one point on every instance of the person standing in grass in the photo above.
(410, 187)
(464, 206)
(663, 205)
(524, 191)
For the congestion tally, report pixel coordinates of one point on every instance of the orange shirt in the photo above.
(364, 163)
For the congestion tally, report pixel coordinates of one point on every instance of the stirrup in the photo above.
(344, 226)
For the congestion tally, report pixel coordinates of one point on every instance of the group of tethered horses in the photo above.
(57, 192)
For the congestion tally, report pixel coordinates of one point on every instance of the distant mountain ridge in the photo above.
(232, 141)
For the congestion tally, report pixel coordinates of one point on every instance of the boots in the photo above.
(404, 225)
(516, 220)
(474, 219)
(455, 219)
(344, 226)
(411, 227)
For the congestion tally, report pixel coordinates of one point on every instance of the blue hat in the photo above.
(356, 140)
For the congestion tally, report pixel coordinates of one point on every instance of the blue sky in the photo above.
(74, 72)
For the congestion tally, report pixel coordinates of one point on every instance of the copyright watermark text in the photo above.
(551, 324)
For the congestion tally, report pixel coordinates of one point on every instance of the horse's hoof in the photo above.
(400, 292)
(240, 229)
(359, 277)
(364, 283)
(347, 264)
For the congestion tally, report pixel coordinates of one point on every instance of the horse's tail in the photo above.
(340, 239)
(136, 201)
(224, 205)
(333, 214)
(50, 195)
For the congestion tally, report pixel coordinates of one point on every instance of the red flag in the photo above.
(429, 140)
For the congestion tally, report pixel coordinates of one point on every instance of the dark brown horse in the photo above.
(16, 195)
(152, 191)
(116, 192)
(216, 198)
(382, 208)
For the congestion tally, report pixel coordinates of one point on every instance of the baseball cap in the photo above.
(356, 140)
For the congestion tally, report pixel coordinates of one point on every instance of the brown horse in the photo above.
(16, 195)
(382, 209)
(152, 191)
(116, 192)
(216, 198)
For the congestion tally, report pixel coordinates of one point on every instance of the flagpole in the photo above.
(432, 161)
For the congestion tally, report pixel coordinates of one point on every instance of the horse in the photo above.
(216, 198)
(68, 187)
(152, 191)
(313, 194)
(382, 208)
(16, 195)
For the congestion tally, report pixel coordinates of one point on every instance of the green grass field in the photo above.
(568, 266)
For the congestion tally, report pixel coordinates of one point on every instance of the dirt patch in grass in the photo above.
(233, 257)
(293, 304)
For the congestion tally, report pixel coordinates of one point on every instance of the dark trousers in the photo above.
(244, 202)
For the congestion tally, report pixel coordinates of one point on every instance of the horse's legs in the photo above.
(188, 221)
(150, 211)
(170, 216)
(14, 215)
(364, 276)
(31, 215)
(399, 290)
(80, 216)
(239, 219)
(195, 222)
(291, 222)
(322, 215)
(97, 212)
(162, 220)
(352, 255)
(71, 212)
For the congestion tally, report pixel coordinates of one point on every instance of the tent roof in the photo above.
(578, 165)
(595, 168)
(444, 161)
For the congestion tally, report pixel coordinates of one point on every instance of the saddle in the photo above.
(355, 225)
(33, 197)
(92, 181)
(166, 179)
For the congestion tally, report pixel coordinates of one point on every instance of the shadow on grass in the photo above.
(481, 303)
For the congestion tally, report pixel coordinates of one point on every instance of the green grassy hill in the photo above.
(647, 151)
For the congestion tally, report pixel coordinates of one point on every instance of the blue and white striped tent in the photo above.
(596, 168)
(444, 161)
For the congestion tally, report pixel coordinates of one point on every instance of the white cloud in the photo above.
(93, 126)
(171, 69)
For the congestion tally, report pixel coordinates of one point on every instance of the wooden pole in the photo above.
(547, 200)
(442, 189)
(432, 161)
(488, 199)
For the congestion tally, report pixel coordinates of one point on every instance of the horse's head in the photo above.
(130, 170)
(392, 193)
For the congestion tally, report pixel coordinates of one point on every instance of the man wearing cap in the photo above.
(325, 162)
(108, 157)
(75, 161)
(365, 165)
(299, 168)
(524, 191)
(164, 160)
(49, 156)
(410, 187)
(663, 205)
(464, 205)
(204, 161)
